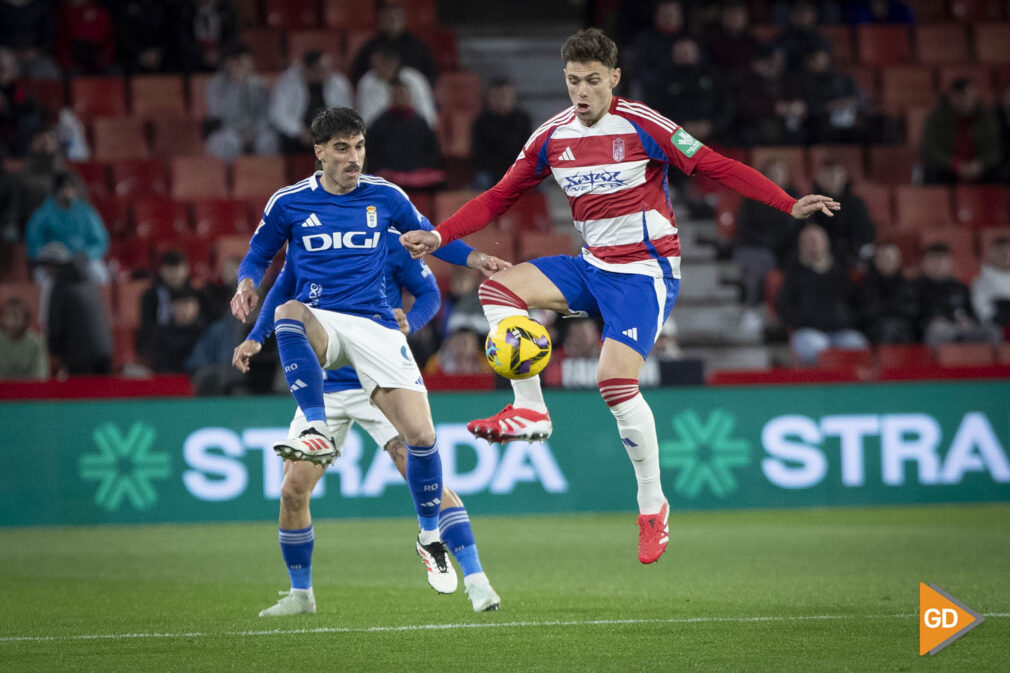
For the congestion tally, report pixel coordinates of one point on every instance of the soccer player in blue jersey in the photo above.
(334, 223)
(346, 404)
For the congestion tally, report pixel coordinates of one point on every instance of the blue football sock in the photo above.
(454, 525)
(424, 479)
(296, 548)
(302, 370)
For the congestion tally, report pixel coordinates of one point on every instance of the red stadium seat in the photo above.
(850, 156)
(95, 176)
(114, 214)
(1003, 354)
(529, 213)
(938, 43)
(158, 96)
(902, 86)
(962, 248)
(177, 137)
(792, 156)
(448, 202)
(422, 15)
(856, 362)
(129, 258)
(198, 178)
(258, 176)
(981, 206)
(976, 10)
(918, 208)
(840, 36)
(867, 79)
(494, 241)
(901, 356)
(459, 91)
(14, 266)
(455, 133)
(915, 123)
(140, 177)
(157, 219)
(965, 355)
(49, 93)
(265, 45)
(444, 49)
(883, 44)
(230, 246)
(349, 15)
(423, 201)
(324, 41)
(299, 166)
(992, 42)
(119, 138)
(543, 244)
(128, 296)
(892, 165)
(98, 97)
(878, 202)
(219, 217)
(198, 94)
(291, 14)
(929, 10)
(773, 285)
(979, 74)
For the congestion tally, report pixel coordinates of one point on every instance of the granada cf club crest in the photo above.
(618, 149)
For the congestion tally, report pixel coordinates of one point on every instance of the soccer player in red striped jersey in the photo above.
(611, 158)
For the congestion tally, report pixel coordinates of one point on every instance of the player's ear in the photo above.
(615, 77)
(318, 149)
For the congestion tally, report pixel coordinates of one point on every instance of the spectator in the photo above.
(237, 104)
(575, 360)
(217, 293)
(210, 362)
(374, 87)
(37, 179)
(800, 37)
(20, 116)
(990, 291)
(945, 312)
(461, 308)
(850, 231)
(498, 133)
(652, 50)
(156, 302)
(770, 108)
(27, 27)
(172, 344)
(887, 299)
(304, 89)
(206, 27)
(85, 38)
(23, 353)
(144, 29)
(77, 327)
(68, 219)
(836, 108)
(961, 138)
(880, 11)
(730, 44)
(816, 298)
(399, 140)
(461, 354)
(763, 235)
(693, 93)
(1003, 118)
(391, 20)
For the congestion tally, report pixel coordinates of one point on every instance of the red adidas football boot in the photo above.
(512, 424)
(653, 533)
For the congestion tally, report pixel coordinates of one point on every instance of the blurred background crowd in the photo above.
(140, 140)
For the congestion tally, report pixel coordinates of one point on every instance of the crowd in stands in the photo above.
(140, 139)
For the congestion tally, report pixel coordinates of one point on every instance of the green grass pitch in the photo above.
(800, 590)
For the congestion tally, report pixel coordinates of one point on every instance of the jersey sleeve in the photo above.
(282, 291)
(405, 216)
(744, 180)
(419, 281)
(269, 237)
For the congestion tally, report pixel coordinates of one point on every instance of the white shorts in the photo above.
(379, 354)
(343, 409)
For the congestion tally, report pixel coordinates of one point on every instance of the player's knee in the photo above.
(295, 492)
(290, 310)
(420, 436)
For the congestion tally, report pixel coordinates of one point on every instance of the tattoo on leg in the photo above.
(397, 449)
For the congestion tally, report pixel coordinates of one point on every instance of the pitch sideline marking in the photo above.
(449, 627)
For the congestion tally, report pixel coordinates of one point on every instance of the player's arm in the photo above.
(268, 238)
(462, 254)
(415, 277)
(282, 290)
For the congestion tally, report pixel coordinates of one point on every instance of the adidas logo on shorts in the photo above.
(631, 333)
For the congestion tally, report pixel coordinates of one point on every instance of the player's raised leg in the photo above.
(302, 343)
(509, 293)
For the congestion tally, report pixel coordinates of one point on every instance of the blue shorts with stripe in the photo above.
(633, 307)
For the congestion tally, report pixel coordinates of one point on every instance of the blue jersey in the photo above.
(336, 243)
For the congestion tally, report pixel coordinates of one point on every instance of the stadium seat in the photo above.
(299, 166)
(494, 241)
(449, 201)
(128, 258)
(422, 15)
(938, 43)
(902, 86)
(95, 176)
(423, 201)
(529, 213)
(140, 177)
(867, 78)
(915, 123)
(976, 10)
(324, 41)
(219, 217)
(455, 133)
(98, 97)
(265, 45)
(445, 50)
(114, 214)
(49, 93)
(882, 44)
(965, 355)
(1001, 76)
(118, 138)
(349, 15)
(904, 356)
(927, 11)
(177, 137)
(792, 156)
(980, 206)
(14, 266)
(25, 290)
(247, 12)
(199, 255)
(727, 208)
(850, 156)
(840, 36)
(229, 246)
(158, 96)
(198, 178)
(878, 202)
(772, 287)
(543, 244)
(355, 41)
(198, 94)
(856, 362)
(1003, 354)
(960, 241)
(258, 176)
(291, 14)
(128, 296)
(918, 208)
(892, 165)
(157, 219)
(459, 91)
(124, 346)
(979, 74)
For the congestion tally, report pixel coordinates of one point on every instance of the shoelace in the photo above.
(438, 552)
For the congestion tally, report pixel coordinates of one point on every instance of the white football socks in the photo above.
(637, 426)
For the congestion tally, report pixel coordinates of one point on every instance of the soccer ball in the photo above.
(518, 348)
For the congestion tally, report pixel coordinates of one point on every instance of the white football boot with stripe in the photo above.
(294, 602)
(314, 445)
(511, 424)
(441, 573)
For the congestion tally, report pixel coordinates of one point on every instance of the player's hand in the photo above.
(401, 320)
(419, 243)
(244, 301)
(813, 203)
(488, 265)
(243, 352)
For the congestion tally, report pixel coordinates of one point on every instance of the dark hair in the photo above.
(960, 85)
(1000, 240)
(172, 258)
(590, 45)
(497, 82)
(311, 58)
(237, 49)
(938, 249)
(61, 180)
(336, 122)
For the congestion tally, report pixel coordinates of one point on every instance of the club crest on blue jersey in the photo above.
(372, 216)
(618, 149)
